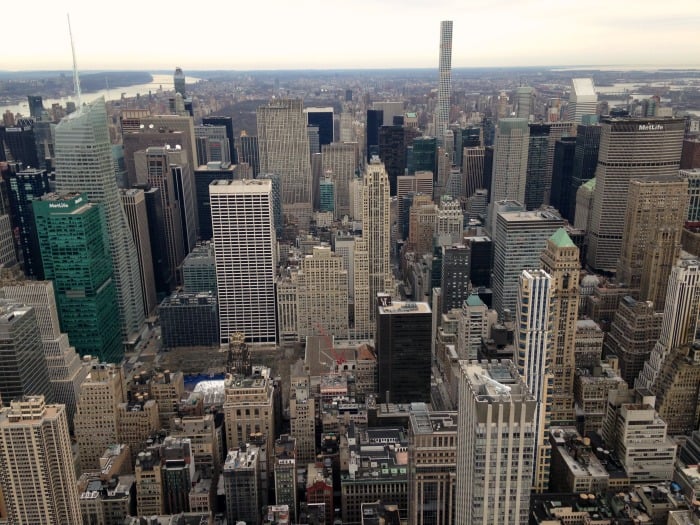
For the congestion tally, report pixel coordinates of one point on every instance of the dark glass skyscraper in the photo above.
(562, 175)
(403, 350)
(323, 118)
(75, 254)
(425, 155)
(537, 175)
(24, 187)
(18, 144)
(375, 118)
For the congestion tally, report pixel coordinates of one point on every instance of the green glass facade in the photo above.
(75, 255)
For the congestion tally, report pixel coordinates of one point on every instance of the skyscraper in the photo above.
(442, 110)
(203, 177)
(376, 229)
(340, 159)
(283, 143)
(497, 429)
(101, 393)
(656, 210)
(524, 102)
(84, 164)
(322, 296)
(134, 202)
(509, 162)
(560, 260)
(75, 254)
(226, 122)
(374, 122)
(681, 318)
(534, 339)
(22, 188)
(38, 481)
(244, 246)
(62, 362)
(629, 148)
(212, 144)
(162, 169)
(519, 239)
(323, 118)
(583, 100)
(179, 81)
(403, 351)
(23, 371)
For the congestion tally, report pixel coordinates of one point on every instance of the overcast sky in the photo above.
(289, 34)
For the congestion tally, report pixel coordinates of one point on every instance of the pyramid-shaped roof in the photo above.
(562, 239)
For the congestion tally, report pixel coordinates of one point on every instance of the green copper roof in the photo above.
(590, 184)
(473, 300)
(562, 239)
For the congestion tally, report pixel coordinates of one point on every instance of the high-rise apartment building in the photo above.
(519, 239)
(95, 421)
(403, 349)
(561, 261)
(38, 482)
(322, 296)
(23, 369)
(509, 162)
(75, 254)
(284, 149)
(495, 449)
(442, 110)
(64, 367)
(681, 320)
(583, 99)
(629, 148)
(134, 202)
(376, 229)
(534, 320)
(244, 246)
(84, 165)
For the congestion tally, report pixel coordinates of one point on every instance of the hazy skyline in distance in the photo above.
(277, 34)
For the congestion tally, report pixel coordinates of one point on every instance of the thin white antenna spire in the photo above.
(76, 77)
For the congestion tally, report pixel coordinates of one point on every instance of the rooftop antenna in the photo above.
(76, 77)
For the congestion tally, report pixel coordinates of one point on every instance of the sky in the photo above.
(334, 34)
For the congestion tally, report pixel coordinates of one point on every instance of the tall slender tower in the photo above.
(283, 143)
(376, 228)
(561, 260)
(534, 317)
(442, 111)
(84, 165)
(38, 480)
(244, 247)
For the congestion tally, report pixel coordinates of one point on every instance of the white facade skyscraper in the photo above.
(583, 100)
(376, 229)
(442, 110)
(495, 447)
(283, 143)
(244, 239)
(84, 165)
(534, 317)
(681, 322)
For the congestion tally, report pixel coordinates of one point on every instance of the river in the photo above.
(164, 82)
